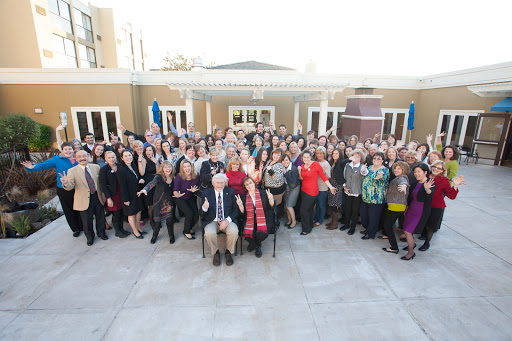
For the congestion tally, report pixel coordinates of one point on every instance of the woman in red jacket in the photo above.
(443, 188)
(309, 173)
(236, 175)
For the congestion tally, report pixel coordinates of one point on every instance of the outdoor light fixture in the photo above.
(38, 110)
(256, 96)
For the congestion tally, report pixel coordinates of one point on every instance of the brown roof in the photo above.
(251, 65)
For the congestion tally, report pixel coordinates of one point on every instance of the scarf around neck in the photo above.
(261, 224)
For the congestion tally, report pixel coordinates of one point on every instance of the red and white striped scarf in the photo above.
(261, 224)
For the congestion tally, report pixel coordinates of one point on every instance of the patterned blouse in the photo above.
(374, 191)
(274, 175)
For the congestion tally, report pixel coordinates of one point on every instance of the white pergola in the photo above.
(299, 91)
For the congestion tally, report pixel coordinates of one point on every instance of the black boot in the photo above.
(170, 230)
(155, 236)
(118, 228)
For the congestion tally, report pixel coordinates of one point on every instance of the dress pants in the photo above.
(95, 210)
(189, 209)
(370, 216)
(66, 201)
(389, 220)
(210, 235)
(306, 212)
(257, 236)
(117, 219)
(352, 205)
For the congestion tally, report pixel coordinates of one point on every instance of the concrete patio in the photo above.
(325, 286)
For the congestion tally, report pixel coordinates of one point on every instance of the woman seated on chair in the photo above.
(257, 211)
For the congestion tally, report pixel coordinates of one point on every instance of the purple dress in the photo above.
(414, 211)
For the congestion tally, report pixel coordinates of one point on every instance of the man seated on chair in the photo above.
(219, 212)
(88, 200)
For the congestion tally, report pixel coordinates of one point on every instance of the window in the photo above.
(60, 15)
(87, 57)
(179, 117)
(101, 121)
(459, 126)
(83, 25)
(247, 117)
(334, 116)
(64, 52)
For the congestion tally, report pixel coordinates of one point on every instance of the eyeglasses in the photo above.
(150, 135)
(377, 158)
(411, 157)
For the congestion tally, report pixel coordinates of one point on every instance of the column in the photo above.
(209, 117)
(189, 103)
(296, 119)
(322, 119)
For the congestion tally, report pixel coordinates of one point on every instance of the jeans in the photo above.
(321, 206)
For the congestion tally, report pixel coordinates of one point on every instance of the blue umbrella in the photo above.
(410, 121)
(156, 113)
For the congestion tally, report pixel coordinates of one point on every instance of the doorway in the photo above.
(492, 131)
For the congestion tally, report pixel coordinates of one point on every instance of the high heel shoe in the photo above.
(407, 247)
(405, 257)
(390, 250)
(140, 236)
(189, 238)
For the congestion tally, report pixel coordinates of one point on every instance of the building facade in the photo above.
(97, 99)
(67, 34)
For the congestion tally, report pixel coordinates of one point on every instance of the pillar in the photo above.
(208, 117)
(296, 118)
(189, 103)
(322, 119)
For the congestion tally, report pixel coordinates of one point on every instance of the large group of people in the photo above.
(242, 183)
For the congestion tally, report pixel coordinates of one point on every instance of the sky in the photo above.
(397, 38)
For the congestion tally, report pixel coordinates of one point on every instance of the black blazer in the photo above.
(128, 182)
(228, 200)
(426, 199)
(141, 138)
(108, 181)
(269, 211)
(205, 174)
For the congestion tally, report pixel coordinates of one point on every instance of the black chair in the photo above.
(274, 232)
(467, 152)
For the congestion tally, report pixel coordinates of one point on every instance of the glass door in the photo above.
(247, 117)
(395, 122)
(334, 117)
(492, 131)
(179, 117)
(459, 126)
(101, 121)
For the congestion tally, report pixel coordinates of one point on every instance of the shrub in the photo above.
(35, 182)
(50, 212)
(43, 141)
(16, 130)
(21, 225)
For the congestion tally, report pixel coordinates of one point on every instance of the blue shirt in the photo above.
(60, 163)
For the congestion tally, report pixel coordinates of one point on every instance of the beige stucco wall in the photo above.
(56, 98)
(18, 40)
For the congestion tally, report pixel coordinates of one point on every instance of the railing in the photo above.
(6, 160)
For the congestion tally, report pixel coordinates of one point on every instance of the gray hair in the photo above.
(220, 176)
(374, 145)
(230, 145)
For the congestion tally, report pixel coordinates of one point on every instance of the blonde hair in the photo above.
(110, 152)
(439, 162)
(360, 153)
(435, 152)
(193, 174)
(137, 143)
(234, 159)
(161, 169)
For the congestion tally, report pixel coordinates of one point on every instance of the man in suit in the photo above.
(219, 212)
(88, 200)
(89, 143)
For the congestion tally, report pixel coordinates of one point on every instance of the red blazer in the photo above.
(443, 188)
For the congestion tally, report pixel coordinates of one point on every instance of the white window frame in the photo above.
(395, 112)
(335, 110)
(272, 110)
(452, 113)
(88, 114)
(164, 110)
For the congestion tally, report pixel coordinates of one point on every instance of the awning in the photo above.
(505, 105)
